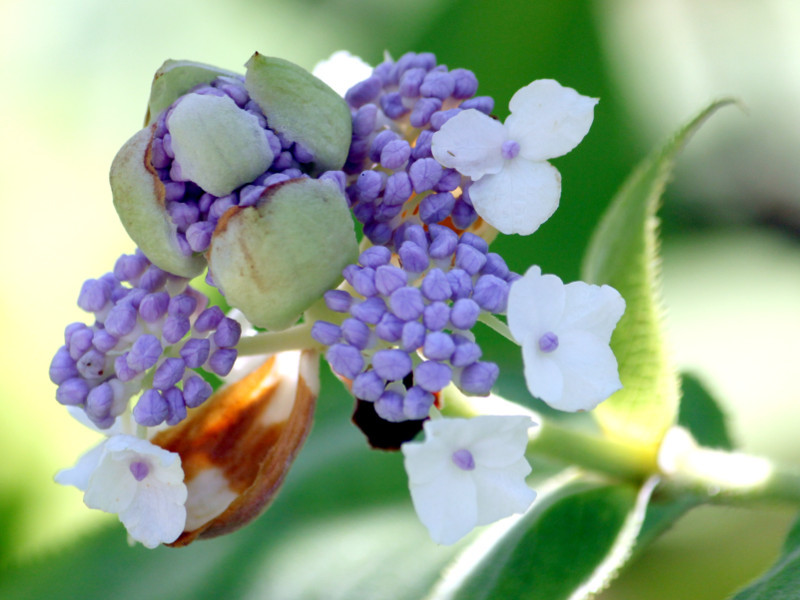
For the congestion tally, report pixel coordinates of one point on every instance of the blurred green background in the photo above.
(76, 76)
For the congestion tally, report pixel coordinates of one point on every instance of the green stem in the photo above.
(491, 321)
(294, 338)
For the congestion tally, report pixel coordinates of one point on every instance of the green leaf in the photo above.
(623, 253)
(702, 416)
(569, 545)
(782, 581)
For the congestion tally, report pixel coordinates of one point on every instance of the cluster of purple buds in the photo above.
(395, 114)
(195, 211)
(408, 330)
(151, 336)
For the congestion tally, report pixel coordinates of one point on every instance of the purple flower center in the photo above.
(510, 149)
(463, 459)
(548, 342)
(139, 470)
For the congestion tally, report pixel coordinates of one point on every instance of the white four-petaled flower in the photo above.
(564, 331)
(514, 188)
(140, 482)
(468, 472)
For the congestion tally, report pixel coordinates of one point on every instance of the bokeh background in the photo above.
(75, 78)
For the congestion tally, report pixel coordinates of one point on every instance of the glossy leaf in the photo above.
(624, 253)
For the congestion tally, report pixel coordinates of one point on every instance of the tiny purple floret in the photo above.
(548, 342)
(463, 459)
(139, 470)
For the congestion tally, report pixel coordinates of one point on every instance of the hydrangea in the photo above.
(514, 188)
(140, 482)
(564, 331)
(468, 472)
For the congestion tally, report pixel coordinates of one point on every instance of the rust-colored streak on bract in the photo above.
(228, 433)
(158, 185)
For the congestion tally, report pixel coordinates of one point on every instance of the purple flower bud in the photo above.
(390, 407)
(438, 346)
(413, 336)
(335, 177)
(424, 174)
(338, 300)
(174, 329)
(158, 157)
(463, 215)
(99, 402)
(364, 120)
(73, 391)
(176, 406)
(389, 328)
(413, 258)
(436, 207)
(422, 149)
(410, 82)
(195, 352)
(198, 235)
(326, 333)
(548, 342)
(464, 313)
(449, 181)
(437, 84)
(466, 84)
(484, 104)
(183, 214)
(62, 367)
(465, 354)
(478, 378)
(168, 373)
(470, 259)
(122, 369)
(167, 145)
(432, 376)
(417, 403)
(391, 364)
(129, 266)
(460, 283)
(422, 111)
(436, 315)
(407, 303)
(444, 242)
(389, 278)
(375, 256)
(363, 92)
(144, 353)
(392, 105)
(415, 233)
(362, 279)
(249, 195)
(220, 207)
(495, 265)
(92, 365)
(228, 333)
(151, 409)
(356, 333)
(153, 306)
(208, 319)
(302, 154)
(398, 189)
(369, 185)
(152, 279)
(174, 191)
(383, 138)
(121, 319)
(435, 285)
(368, 386)
(395, 154)
(491, 293)
(345, 360)
(196, 390)
(221, 362)
(370, 310)
(94, 295)
(72, 328)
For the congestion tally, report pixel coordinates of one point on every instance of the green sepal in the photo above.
(302, 108)
(274, 260)
(624, 253)
(176, 77)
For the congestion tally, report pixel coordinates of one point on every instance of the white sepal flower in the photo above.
(564, 331)
(514, 188)
(468, 472)
(140, 482)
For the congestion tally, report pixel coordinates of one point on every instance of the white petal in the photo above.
(503, 492)
(342, 71)
(504, 445)
(426, 462)
(79, 474)
(543, 374)
(471, 142)
(447, 506)
(157, 514)
(592, 308)
(519, 198)
(548, 120)
(589, 369)
(217, 145)
(535, 305)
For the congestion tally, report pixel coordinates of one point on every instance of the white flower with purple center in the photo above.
(514, 188)
(138, 481)
(468, 472)
(564, 331)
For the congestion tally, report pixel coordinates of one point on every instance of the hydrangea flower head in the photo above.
(564, 331)
(514, 188)
(138, 481)
(468, 472)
